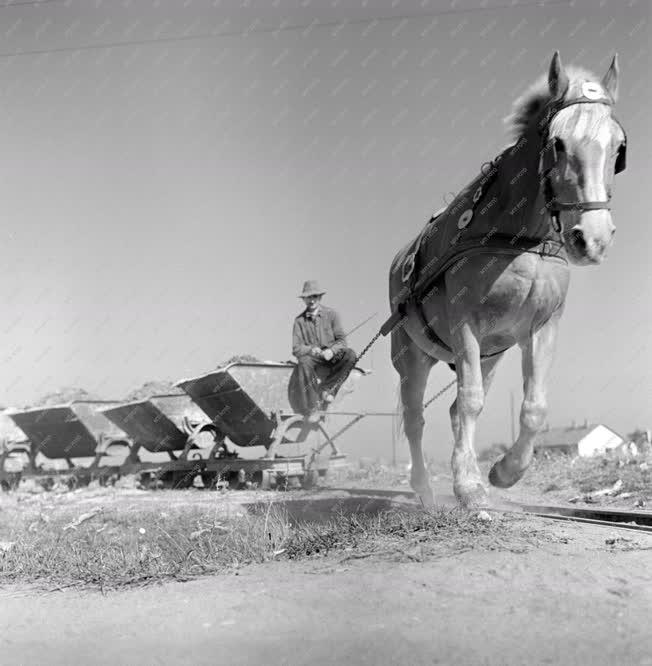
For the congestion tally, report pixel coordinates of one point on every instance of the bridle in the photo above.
(549, 161)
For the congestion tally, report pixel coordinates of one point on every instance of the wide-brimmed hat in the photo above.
(311, 288)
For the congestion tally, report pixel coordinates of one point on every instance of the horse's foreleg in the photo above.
(488, 372)
(537, 360)
(413, 367)
(467, 480)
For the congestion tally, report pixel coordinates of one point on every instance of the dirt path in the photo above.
(575, 600)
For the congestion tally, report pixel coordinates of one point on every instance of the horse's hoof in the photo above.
(475, 498)
(500, 479)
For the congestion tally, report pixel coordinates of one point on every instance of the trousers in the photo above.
(313, 375)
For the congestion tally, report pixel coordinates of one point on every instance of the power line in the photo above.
(7, 5)
(281, 28)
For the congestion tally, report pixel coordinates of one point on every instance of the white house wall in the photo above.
(599, 440)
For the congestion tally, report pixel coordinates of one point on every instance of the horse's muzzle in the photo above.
(585, 248)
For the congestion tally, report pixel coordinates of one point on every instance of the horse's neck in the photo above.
(521, 192)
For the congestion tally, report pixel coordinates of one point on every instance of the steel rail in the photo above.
(605, 517)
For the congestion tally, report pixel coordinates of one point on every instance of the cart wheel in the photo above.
(268, 480)
(72, 482)
(209, 479)
(5, 486)
(149, 481)
(166, 480)
(309, 479)
(47, 483)
(181, 480)
(282, 482)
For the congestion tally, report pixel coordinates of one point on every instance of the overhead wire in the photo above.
(24, 3)
(277, 29)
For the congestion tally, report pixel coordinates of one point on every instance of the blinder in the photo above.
(548, 157)
(621, 158)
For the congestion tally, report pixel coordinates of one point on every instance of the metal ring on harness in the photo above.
(488, 165)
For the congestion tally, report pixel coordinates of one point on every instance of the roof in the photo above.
(568, 435)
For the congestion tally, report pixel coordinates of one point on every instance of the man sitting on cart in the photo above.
(323, 359)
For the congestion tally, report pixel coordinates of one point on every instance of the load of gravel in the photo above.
(156, 387)
(64, 395)
(240, 358)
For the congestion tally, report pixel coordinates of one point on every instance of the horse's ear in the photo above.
(557, 78)
(610, 80)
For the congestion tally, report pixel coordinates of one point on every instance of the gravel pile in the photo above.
(64, 395)
(149, 389)
(240, 358)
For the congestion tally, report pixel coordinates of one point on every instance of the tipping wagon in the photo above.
(247, 404)
(170, 424)
(67, 433)
(231, 426)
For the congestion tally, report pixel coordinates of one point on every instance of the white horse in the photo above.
(491, 271)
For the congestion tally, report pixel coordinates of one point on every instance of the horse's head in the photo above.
(583, 147)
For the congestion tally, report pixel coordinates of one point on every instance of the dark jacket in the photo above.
(323, 331)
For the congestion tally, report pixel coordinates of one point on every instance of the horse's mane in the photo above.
(528, 106)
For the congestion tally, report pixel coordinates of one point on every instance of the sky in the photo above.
(172, 172)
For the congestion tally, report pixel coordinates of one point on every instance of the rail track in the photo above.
(640, 521)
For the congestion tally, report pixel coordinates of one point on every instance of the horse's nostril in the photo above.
(578, 239)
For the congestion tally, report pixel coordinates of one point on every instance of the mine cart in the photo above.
(248, 405)
(168, 424)
(68, 432)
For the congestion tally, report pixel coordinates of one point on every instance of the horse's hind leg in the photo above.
(413, 366)
(536, 363)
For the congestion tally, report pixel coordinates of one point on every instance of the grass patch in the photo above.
(414, 535)
(116, 548)
(573, 475)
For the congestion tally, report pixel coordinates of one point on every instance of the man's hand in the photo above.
(316, 351)
(327, 354)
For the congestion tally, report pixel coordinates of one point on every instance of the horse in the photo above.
(491, 270)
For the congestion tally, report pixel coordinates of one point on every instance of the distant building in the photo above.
(586, 440)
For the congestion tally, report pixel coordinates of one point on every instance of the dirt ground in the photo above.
(582, 594)
(576, 600)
